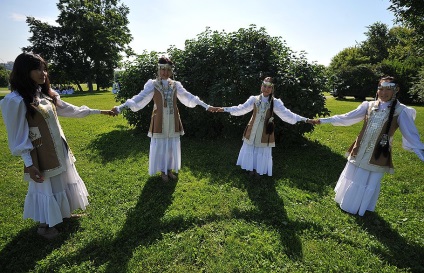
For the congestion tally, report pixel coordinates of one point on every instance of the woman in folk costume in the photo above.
(258, 139)
(165, 125)
(30, 113)
(370, 156)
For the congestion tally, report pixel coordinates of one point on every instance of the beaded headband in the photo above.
(164, 67)
(388, 85)
(267, 84)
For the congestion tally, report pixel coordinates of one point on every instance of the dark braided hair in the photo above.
(21, 82)
(270, 124)
(383, 145)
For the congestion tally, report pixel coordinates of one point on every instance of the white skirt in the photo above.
(255, 158)
(357, 189)
(54, 199)
(165, 154)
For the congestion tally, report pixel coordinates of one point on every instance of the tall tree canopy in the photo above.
(86, 47)
(355, 70)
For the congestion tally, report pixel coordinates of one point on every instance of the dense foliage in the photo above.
(86, 47)
(355, 71)
(4, 76)
(224, 69)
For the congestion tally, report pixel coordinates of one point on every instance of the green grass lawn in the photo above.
(215, 218)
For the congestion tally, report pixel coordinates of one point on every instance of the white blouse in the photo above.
(14, 110)
(279, 109)
(410, 135)
(140, 100)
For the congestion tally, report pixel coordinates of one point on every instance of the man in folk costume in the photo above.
(165, 124)
(370, 156)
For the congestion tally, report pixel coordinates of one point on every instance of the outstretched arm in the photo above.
(138, 101)
(410, 135)
(188, 99)
(349, 118)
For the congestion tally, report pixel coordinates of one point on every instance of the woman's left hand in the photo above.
(35, 174)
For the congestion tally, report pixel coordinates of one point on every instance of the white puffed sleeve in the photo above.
(241, 109)
(14, 110)
(285, 114)
(140, 100)
(410, 135)
(187, 98)
(349, 118)
(66, 109)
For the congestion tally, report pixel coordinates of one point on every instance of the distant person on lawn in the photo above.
(370, 156)
(165, 125)
(30, 113)
(258, 139)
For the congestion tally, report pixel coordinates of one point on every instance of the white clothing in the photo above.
(255, 155)
(56, 197)
(357, 189)
(165, 150)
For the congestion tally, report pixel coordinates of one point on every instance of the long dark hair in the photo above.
(21, 82)
(383, 146)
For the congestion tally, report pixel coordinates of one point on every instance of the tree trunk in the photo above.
(90, 86)
(79, 87)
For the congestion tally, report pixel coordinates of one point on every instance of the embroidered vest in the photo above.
(164, 108)
(258, 121)
(47, 138)
(362, 151)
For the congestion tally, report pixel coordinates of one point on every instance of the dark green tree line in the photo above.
(384, 52)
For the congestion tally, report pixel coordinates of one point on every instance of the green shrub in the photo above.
(224, 69)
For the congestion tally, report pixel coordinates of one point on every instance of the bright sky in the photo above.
(321, 28)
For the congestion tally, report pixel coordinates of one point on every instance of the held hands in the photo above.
(35, 174)
(108, 112)
(215, 109)
(316, 121)
(313, 121)
(115, 111)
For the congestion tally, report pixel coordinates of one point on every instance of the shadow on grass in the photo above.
(306, 165)
(119, 144)
(272, 213)
(27, 248)
(397, 252)
(143, 226)
(214, 160)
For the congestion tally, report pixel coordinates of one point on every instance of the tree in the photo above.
(348, 57)
(4, 76)
(224, 69)
(411, 14)
(88, 43)
(385, 52)
(417, 89)
(403, 43)
(377, 43)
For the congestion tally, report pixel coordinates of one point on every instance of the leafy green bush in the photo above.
(132, 79)
(359, 81)
(224, 69)
(4, 76)
(417, 89)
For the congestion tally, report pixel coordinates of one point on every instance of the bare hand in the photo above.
(108, 112)
(115, 111)
(215, 109)
(314, 121)
(35, 174)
